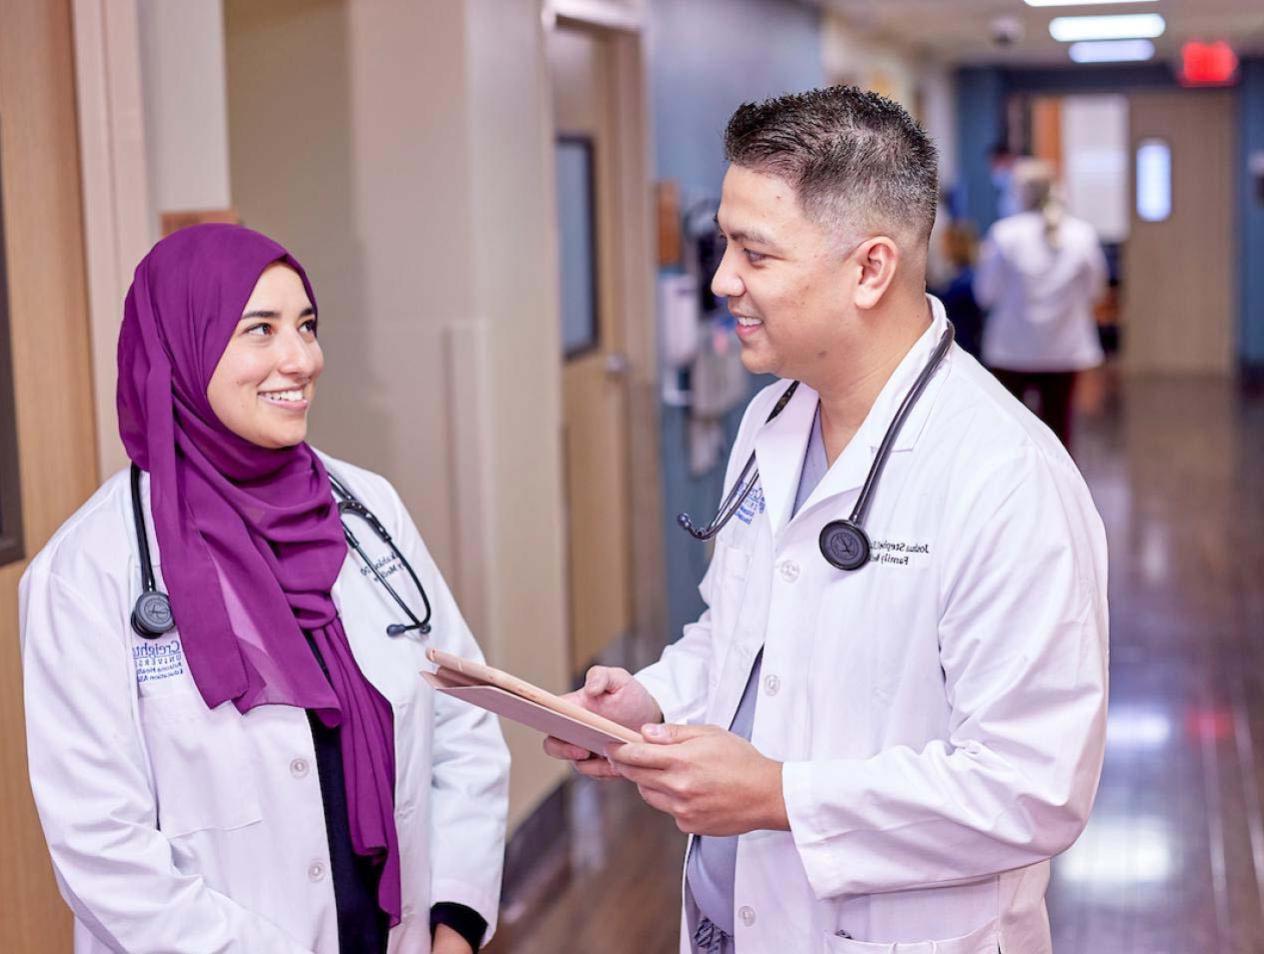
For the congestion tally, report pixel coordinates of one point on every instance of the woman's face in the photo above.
(264, 383)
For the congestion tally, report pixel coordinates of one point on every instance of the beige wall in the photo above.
(404, 154)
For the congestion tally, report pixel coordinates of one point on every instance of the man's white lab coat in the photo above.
(940, 712)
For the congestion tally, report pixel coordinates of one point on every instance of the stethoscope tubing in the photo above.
(744, 484)
(348, 503)
(152, 616)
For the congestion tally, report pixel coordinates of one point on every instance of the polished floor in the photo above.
(1172, 861)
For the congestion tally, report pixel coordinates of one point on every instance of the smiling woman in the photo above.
(264, 383)
(282, 745)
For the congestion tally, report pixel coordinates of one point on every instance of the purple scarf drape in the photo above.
(262, 522)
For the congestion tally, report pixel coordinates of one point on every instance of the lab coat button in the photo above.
(299, 768)
(789, 571)
(747, 915)
(316, 871)
(771, 684)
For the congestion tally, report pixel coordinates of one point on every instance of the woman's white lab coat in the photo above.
(1040, 296)
(941, 712)
(177, 828)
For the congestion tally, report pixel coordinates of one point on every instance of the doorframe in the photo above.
(117, 227)
(622, 23)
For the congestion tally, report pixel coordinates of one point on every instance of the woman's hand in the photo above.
(616, 695)
(447, 941)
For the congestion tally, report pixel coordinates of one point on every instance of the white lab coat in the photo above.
(941, 712)
(177, 828)
(1040, 297)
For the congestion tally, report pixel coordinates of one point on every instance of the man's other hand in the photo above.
(616, 695)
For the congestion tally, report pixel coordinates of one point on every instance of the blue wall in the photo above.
(980, 126)
(707, 57)
(1251, 223)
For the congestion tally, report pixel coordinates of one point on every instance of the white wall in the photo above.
(186, 124)
(924, 87)
(938, 97)
(1095, 162)
(852, 57)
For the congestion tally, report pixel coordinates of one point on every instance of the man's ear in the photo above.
(879, 258)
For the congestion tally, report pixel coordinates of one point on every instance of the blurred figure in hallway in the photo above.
(960, 242)
(1039, 273)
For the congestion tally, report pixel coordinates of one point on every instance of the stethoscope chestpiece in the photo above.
(844, 545)
(151, 617)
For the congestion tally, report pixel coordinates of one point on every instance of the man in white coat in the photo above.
(881, 759)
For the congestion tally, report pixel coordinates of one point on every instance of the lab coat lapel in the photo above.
(779, 448)
(849, 471)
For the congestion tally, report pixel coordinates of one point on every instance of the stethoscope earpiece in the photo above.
(844, 545)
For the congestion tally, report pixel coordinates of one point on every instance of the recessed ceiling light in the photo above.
(1111, 51)
(1122, 27)
(1079, 3)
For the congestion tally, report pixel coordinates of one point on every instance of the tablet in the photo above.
(518, 700)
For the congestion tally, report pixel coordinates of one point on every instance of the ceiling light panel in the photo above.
(1080, 3)
(1111, 51)
(1121, 27)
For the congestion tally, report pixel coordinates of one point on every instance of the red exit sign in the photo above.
(1208, 64)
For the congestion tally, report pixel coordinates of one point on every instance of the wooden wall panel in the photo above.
(53, 389)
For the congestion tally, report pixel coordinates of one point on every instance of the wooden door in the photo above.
(1180, 301)
(594, 369)
(52, 383)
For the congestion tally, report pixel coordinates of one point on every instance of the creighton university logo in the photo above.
(162, 659)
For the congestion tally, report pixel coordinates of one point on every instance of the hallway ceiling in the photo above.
(961, 31)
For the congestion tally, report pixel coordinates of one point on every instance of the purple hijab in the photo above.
(261, 522)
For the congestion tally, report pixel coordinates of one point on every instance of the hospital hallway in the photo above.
(1172, 861)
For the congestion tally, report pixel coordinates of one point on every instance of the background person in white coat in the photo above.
(1039, 273)
(881, 759)
(271, 775)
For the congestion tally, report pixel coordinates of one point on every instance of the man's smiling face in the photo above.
(787, 281)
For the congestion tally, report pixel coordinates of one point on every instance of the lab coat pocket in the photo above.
(734, 569)
(983, 940)
(203, 777)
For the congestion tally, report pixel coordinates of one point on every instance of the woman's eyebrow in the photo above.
(273, 315)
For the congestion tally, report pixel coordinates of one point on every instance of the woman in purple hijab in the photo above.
(260, 768)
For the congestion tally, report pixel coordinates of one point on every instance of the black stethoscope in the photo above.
(151, 617)
(844, 543)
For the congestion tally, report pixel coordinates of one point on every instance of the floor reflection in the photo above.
(1173, 859)
(1169, 862)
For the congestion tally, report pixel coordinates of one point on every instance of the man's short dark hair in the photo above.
(856, 159)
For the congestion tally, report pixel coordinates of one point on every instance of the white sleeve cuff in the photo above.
(817, 852)
(659, 681)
